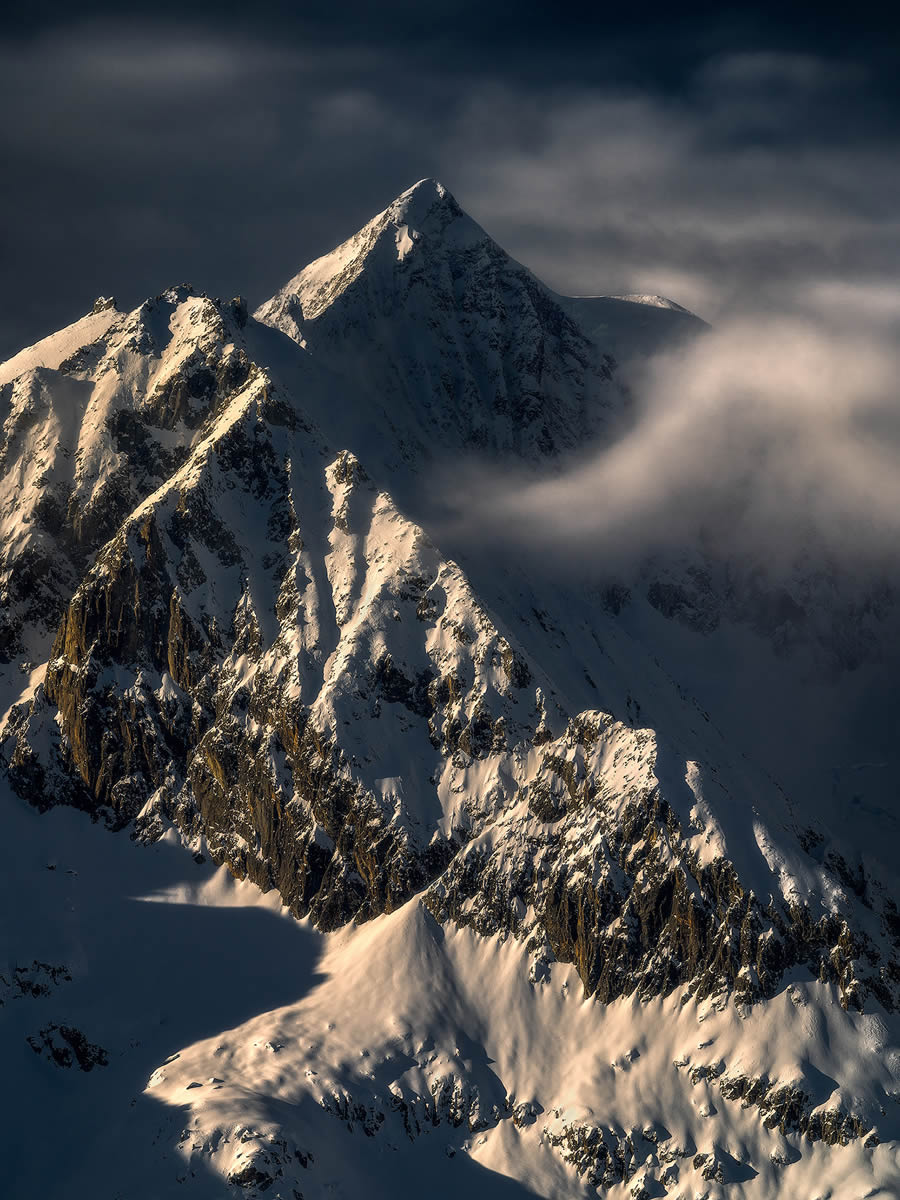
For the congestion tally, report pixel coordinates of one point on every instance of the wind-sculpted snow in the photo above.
(433, 1056)
(572, 936)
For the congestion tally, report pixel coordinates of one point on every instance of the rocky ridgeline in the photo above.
(233, 659)
(174, 705)
(473, 355)
(592, 865)
(240, 650)
(83, 443)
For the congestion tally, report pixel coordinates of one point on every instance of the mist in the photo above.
(773, 439)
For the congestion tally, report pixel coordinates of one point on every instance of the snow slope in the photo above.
(815, 649)
(52, 351)
(140, 979)
(93, 419)
(239, 1038)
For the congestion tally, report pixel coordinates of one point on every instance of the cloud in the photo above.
(598, 192)
(766, 69)
(772, 440)
(144, 156)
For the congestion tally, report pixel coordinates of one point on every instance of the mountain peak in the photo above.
(425, 214)
(417, 202)
(489, 354)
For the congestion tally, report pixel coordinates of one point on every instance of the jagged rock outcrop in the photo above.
(66, 1046)
(188, 693)
(84, 441)
(35, 980)
(594, 866)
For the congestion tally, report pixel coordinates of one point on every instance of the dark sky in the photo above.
(728, 156)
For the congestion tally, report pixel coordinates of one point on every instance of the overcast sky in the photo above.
(730, 158)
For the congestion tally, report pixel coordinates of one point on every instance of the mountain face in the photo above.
(564, 930)
(463, 348)
(95, 418)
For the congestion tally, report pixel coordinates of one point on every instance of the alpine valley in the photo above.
(345, 857)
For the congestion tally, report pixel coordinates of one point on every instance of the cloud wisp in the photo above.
(773, 440)
(729, 195)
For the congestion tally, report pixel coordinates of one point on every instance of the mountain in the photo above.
(440, 873)
(457, 346)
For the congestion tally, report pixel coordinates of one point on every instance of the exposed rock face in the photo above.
(790, 1110)
(261, 650)
(604, 1158)
(232, 685)
(593, 866)
(66, 1046)
(200, 694)
(34, 980)
(837, 620)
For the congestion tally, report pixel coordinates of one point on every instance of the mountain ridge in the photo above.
(257, 654)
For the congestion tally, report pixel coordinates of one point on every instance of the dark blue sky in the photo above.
(720, 154)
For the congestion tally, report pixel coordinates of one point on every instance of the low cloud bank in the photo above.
(774, 439)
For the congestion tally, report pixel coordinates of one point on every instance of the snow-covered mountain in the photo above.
(527, 917)
(456, 345)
